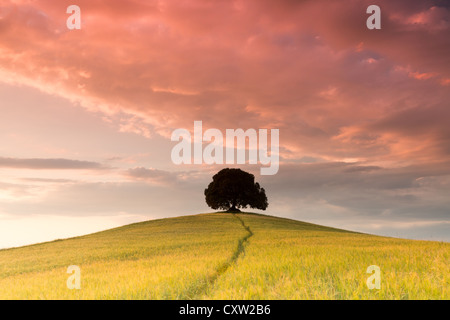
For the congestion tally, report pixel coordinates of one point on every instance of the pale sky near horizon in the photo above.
(86, 115)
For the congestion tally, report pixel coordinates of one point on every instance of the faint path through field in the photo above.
(242, 242)
(200, 288)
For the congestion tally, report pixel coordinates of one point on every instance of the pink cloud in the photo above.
(433, 19)
(309, 68)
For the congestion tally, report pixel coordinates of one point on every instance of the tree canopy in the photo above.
(232, 189)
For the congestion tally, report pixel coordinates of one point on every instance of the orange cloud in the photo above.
(153, 66)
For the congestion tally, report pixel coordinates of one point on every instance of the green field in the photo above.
(227, 256)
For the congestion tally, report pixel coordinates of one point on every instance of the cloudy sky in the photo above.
(86, 115)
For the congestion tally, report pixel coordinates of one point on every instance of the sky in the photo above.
(86, 116)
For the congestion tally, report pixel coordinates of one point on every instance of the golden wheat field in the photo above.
(227, 256)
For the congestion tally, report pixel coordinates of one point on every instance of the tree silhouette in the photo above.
(232, 189)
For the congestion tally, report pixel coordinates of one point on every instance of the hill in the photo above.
(226, 256)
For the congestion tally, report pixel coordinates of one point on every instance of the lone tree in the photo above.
(232, 189)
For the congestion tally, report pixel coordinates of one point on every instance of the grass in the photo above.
(293, 260)
(227, 256)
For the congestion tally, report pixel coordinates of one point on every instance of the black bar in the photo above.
(222, 309)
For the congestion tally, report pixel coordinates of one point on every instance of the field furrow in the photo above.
(200, 289)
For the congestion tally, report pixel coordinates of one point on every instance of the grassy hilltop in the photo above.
(227, 256)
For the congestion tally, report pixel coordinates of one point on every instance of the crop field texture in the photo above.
(227, 256)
